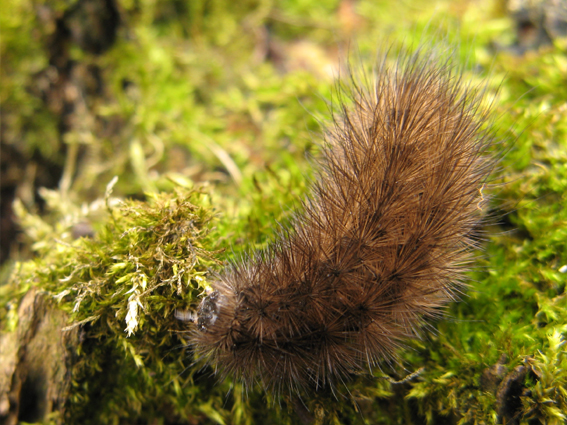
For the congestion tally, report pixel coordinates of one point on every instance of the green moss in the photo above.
(123, 287)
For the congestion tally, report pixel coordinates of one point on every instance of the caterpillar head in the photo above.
(208, 311)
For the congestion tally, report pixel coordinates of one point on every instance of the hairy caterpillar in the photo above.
(379, 246)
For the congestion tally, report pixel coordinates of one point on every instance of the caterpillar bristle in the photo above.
(377, 249)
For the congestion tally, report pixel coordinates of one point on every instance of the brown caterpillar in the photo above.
(379, 246)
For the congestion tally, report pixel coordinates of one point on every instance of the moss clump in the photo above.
(122, 288)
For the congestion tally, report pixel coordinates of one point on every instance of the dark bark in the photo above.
(36, 360)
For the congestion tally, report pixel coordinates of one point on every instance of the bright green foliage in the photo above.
(548, 398)
(194, 97)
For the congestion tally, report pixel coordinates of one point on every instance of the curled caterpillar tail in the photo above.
(380, 244)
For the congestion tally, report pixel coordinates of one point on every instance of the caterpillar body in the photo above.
(379, 246)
